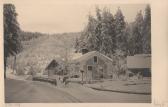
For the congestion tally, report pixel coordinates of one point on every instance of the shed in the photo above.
(53, 68)
(140, 63)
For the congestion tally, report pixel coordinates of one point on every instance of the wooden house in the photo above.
(94, 66)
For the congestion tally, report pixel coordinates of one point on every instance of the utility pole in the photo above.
(82, 75)
(14, 64)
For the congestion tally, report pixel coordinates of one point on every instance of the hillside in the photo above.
(37, 53)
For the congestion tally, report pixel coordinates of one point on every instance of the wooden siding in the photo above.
(95, 73)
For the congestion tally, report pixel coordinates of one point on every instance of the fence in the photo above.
(45, 79)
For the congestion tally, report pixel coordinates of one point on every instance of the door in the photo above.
(101, 72)
(89, 72)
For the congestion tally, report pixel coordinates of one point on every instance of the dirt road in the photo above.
(34, 92)
(19, 91)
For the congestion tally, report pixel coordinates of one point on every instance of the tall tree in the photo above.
(120, 26)
(138, 34)
(108, 33)
(91, 37)
(12, 44)
(120, 52)
(130, 41)
(147, 31)
(98, 28)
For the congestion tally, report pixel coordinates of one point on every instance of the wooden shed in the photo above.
(53, 68)
(140, 63)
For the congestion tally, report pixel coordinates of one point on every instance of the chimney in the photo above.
(84, 51)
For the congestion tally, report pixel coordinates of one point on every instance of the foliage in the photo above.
(104, 29)
(138, 34)
(39, 52)
(12, 43)
(147, 31)
(108, 33)
(120, 26)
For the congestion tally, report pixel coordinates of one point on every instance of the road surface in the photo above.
(17, 91)
(34, 92)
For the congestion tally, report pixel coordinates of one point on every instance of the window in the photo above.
(95, 59)
(89, 68)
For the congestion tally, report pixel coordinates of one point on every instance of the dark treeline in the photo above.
(112, 35)
(27, 36)
(12, 42)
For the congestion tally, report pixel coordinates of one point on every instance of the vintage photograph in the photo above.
(77, 53)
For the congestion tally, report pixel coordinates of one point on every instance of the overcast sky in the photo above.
(59, 17)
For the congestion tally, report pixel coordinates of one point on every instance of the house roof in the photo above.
(139, 61)
(76, 55)
(91, 54)
(52, 64)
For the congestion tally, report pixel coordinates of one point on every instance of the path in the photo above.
(27, 91)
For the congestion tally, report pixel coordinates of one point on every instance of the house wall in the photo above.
(51, 72)
(96, 73)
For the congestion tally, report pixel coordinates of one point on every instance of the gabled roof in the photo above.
(139, 61)
(91, 54)
(52, 64)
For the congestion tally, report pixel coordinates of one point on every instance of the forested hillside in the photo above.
(39, 50)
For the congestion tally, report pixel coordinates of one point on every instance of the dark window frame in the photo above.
(89, 68)
(95, 59)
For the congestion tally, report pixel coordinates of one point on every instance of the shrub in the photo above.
(20, 69)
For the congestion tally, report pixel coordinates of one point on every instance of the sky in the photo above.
(52, 17)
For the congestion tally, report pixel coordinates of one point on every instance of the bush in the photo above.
(20, 69)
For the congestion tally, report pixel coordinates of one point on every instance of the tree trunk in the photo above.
(14, 64)
(5, 61)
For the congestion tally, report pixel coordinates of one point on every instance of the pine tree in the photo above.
(108, 33)
(138, 34)
(147, 31)
(90, 38)
(120, 26)
(120, 52)
(98, 29)
(129, 39)
(12, 44)
(76, 45)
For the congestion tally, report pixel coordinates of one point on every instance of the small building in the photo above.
(140, 63)
(53, 68)
(94, 66)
